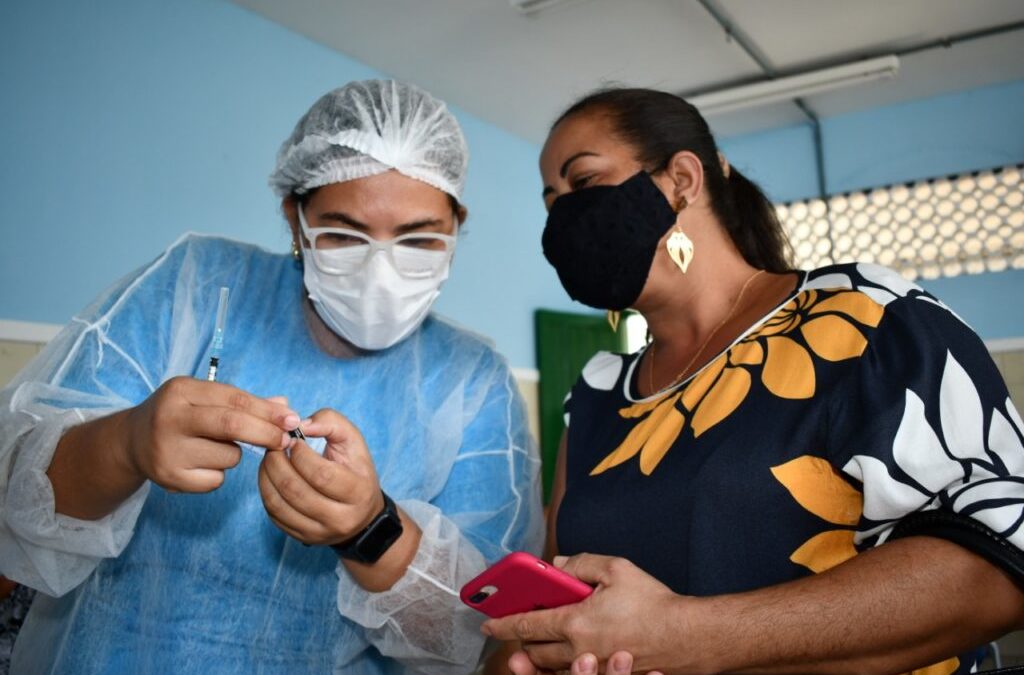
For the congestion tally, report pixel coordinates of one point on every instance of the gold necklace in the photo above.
(700, 350)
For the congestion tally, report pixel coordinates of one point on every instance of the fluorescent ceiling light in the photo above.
(796, 86)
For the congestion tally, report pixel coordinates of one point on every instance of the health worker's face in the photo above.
(383, 207)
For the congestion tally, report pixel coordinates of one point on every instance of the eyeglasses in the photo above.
(340, 251)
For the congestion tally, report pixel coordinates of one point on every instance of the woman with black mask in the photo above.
(801, 471)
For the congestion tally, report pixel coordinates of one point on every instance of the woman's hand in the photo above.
(629, 613)
(322, 500)
(619, 663)
(183, 437)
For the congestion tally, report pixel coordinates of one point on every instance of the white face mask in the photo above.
(374, 307)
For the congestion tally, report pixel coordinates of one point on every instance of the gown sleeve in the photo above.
(489, 506)
(113, 355)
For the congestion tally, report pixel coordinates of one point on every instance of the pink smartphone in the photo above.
(520, 582)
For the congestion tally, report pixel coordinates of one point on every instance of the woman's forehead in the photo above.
(388, 191)
(583, 132)
(579, 127)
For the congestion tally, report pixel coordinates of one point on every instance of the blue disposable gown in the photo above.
(186, 583)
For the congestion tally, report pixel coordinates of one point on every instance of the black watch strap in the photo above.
(376, 538)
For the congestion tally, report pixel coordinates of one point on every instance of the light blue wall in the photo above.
(125, 126)
(965, 131)
(500, 275)
(992, 303)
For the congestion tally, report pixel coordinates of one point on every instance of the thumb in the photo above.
(344, 441)
(520, 664)
(588, 567)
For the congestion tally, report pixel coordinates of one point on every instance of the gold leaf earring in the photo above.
(679, 246)
(680, 249)
(613, 319)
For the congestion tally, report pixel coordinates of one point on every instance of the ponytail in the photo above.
(658, 125)
(754, 226)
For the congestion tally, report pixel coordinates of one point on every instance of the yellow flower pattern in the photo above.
(818, 325)
(822, 324)
(817, 487)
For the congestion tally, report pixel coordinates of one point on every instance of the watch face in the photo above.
(379, 537)
(376, 539)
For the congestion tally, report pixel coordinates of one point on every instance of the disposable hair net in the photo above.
(369, 127)
(175, 582)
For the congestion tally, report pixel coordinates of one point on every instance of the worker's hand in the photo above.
(630, 616)
(183, 437)
(322, 500)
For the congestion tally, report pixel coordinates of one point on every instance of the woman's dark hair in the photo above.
(658, 125)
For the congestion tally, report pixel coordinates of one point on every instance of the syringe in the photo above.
(218, 334)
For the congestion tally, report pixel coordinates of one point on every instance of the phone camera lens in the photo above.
(479, 597)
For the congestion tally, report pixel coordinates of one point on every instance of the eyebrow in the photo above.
(565, 165)
(346, 219)
(565, 169)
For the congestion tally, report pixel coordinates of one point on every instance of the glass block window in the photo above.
(942, 227)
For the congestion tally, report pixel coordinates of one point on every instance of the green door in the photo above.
(565, 342)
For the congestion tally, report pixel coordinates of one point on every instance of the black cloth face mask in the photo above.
(601, 240)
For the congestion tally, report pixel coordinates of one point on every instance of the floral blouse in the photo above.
(860, 410)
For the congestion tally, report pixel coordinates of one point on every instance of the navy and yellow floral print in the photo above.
(860, 409)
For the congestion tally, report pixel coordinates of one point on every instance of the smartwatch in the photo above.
(370, 544)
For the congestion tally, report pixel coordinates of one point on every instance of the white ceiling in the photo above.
(519, 71)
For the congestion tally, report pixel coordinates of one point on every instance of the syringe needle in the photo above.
(218, 334)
